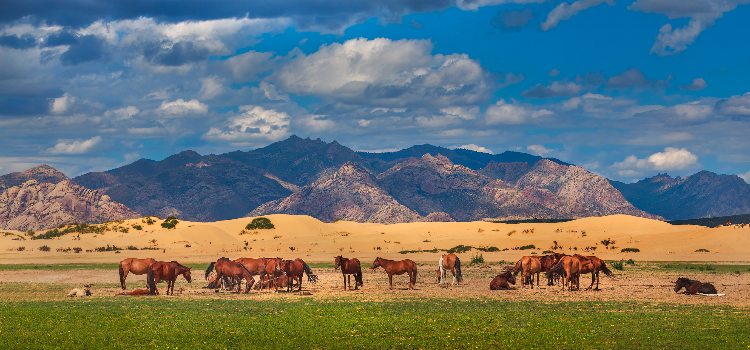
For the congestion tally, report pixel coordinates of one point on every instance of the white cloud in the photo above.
(74, 147)
(255, 123)
(122, 113)
(696, 112)
(554, 73)
(745, 176)
(505, 113)
(671, 159)
(473, 5)
(211, 87)
(476, 148)
(565, 10)
(696, 85)
(540, 150)
(180, 108)
(556, 89)
(317, 123)
(61, 104)
(736, 105)
(468, 113)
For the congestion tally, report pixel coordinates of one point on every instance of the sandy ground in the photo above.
(315, 241)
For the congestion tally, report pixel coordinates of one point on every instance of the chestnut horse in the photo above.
(258, 267)
(294, 270)
(136, 266)
(693, 287)
(215, 281)
(234, 271)
(546, 263)
(449, 262)
(528, 266)
(592, 264)
(393, 267)
(501, 281)
(349, 267)
(136, 292)
(571, 267)
(267, 282)
(166, 271)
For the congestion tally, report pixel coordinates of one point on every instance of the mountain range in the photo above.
(330, 181)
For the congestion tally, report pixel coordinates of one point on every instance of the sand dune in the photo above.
(318, 241)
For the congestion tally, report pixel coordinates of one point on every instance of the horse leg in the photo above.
(123, 276)
(390, 280)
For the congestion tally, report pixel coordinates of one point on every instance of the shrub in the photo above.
(260, 223)
(138, 227)
(511, 233)
(132, 247)
(21, 248)
(77, 249)
(702, 251)
(618, 265)
(167, 225)
(489, 249)
(630, 250)
(45, 248)
(187, 245)
(630, 262)
(30, 233)
(108, 248)
(530, 246)
(477, 259)
(459, 249)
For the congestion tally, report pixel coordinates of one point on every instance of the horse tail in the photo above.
(210, 269)
(358, 278)
(606, 271)
(150, 282)
(122, 277)
(459, 276)
(555, 270)
(310, 275)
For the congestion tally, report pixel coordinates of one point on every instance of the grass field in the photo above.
(171, 323)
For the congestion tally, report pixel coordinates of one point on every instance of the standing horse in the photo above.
(294, 270)
(501, 281)
(449, 262)
(274, 269)
(216, 281)
(235, 271)
(393, 267)
(349, 267)
(593, 265)
(136, 266)
(166, 271)
(693, 287)
(528, 266)
(546, 263)
(571, 267)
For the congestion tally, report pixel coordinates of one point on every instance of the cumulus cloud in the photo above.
(505, 113)
(513, 21)
(74, 147)
(476, 148)
(565, 10)
(556, 89)
(554, 73)
(180, 108)
(696, 85)
(670, 159)
(539, 150)
(468, 113)
(702, 14)
(122, 113)
(745, 176)
(386, 73)
(692, 113)
(630, 77)
(254, 123)
(736, 105)
(61, 104)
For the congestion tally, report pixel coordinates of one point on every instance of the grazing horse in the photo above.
(235, 271)
(449, 262)
(593, 265)
(267, 282)
(136, 266)
(294, 270)
(501, 281)
(571, 267)
(546, 263)
(166, 271)
(215, 281)
(349, 267)
(275, 269)
(257, 267)
(693, 287)
(528, 266)
(393, 267)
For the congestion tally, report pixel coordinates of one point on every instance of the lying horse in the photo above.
(85, 292)
(136, 292)
(449, 262)
(501, 281)
(393, 267)
(693, 287)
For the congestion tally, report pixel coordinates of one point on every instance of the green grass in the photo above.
(707, 267)
(174, 322)
(61, 267)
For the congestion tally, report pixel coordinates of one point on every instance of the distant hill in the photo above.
(42, 174)
(715, 222)
(702, 195)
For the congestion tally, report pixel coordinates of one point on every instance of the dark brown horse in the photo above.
(294, 270)
(393, 267)
(546, 263)
(216, 281)
(234, 271)
(570, 266)
(452, 263)
(503, 281)
(349, 267)
(693, 287)
(528, 266)
(166, 271)
(136, 266)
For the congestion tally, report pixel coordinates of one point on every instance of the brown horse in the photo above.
(234, 271)
(216, 281)
(528, 266)
(266, 282)
(136, 266)
(349, 267)
(592, 264)
(166, 271)
(294, 270)
(546, 263)
(571, 266)
(393, 267)
(503, 281)
(449, 262)
(136, 292)
(693, 287)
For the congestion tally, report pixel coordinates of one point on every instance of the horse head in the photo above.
(337, 262)
(375, 264)
(187, 275)
(680, 283)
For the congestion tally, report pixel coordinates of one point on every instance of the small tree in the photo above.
(260, 223)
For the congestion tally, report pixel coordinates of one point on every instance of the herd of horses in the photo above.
(275, 273)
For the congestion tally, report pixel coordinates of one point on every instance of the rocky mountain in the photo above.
(39, 206)
(189, 186)
(42, 174)
(349, 193)
(702, 195)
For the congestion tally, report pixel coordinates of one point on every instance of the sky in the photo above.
(625, 89)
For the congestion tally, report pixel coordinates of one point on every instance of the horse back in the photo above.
(352, 266)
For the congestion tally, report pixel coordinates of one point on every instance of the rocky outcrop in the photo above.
(350, 193)
(42, 174)
(41, 206)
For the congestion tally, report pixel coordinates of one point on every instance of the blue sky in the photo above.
(625, 89)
